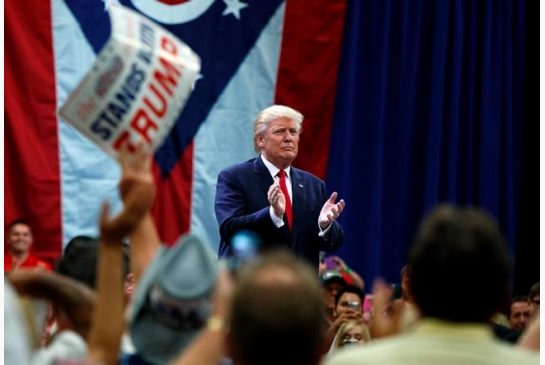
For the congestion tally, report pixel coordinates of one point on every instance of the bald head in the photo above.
(276, 305)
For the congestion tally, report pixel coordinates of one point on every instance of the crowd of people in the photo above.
(109, 302)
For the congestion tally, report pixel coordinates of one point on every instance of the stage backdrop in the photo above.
(433, 106)
(430, 104)
(254, 54)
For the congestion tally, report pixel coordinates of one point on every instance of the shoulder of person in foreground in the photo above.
(400, 349)
(530, 337)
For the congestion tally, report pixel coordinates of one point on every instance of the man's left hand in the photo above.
(330, 211)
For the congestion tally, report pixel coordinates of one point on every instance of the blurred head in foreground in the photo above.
(276, 313)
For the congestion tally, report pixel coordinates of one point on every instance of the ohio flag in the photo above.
(254, 53)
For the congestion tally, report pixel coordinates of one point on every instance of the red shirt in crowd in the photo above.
(30, 262)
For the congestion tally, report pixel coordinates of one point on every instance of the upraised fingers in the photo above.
(338, 208)
(274, 195)
(272, 191)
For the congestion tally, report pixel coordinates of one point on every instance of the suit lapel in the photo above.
(298, 192)
(265, 180)
(263, 176)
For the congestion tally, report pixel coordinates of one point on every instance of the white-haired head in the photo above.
(267, 115)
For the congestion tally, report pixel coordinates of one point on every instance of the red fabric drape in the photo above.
(307, 77)
(31, 164)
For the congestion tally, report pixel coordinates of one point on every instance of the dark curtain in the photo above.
(430, 108)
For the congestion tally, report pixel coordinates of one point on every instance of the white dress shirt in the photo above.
(273, 170)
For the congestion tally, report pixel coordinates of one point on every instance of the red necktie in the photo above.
(282, 180)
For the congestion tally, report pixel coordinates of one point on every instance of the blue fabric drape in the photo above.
(429, 109)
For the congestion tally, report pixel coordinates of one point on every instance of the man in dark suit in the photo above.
(284, 205)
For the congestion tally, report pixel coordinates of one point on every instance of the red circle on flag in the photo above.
(173, 2)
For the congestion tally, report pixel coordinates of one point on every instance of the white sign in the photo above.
(137, 86)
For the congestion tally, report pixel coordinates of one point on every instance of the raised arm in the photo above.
(343, 267)
(108, 319)
(73, 298)
(144, 239)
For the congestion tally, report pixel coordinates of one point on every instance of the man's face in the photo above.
(520, 314)
(280, 142)
(20, 238)
(329, 292)
(348, 302)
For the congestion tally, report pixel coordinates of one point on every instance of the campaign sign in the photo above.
(137, 86)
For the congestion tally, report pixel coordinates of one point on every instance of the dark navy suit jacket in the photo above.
(241, 203)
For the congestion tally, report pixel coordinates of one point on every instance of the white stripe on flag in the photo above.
(226, 136)
(88, 175)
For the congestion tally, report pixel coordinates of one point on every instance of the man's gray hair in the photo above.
(267, 115)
